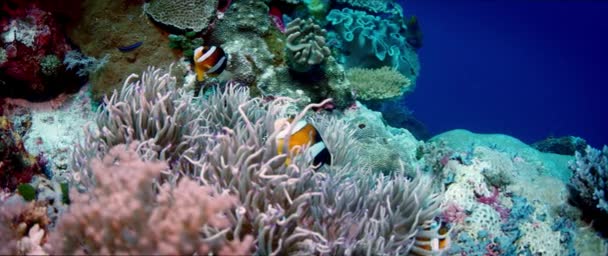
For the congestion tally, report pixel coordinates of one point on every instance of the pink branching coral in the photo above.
(453, 213)
(492, 200)
(124, 214)
(22, 226)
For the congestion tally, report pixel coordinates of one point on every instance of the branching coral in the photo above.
(123, 213)
(590, 179)
(22, 226)
(305, 44)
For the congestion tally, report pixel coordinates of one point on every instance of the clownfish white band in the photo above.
(316, 149)
(298, 126)
(207, 54)
(217, 65)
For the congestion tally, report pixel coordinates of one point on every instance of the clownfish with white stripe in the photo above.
(209, 61)
(302, 134)
(433, 238)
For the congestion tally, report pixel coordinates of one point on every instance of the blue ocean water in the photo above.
(529, 69)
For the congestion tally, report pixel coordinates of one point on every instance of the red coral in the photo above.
(22, 69)
(493, 201)
(16, 164)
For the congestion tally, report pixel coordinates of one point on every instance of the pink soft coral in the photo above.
(124, 213)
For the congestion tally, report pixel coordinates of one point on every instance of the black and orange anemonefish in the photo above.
(433, 238)
(302, 134)
(209, 61)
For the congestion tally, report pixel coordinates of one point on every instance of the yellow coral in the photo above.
(378, 84)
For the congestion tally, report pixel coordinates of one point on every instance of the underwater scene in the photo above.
(303, 127)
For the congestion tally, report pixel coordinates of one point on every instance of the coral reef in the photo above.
(375, 6)
(109, 218)
(305, 44)
(374, 42)
(589, 184)
(189, 15)
(513, 201)
(286, 208)
(378, 84)
(22, 226)
(116, 24)
(171, 164)
(382, 147)
(17, 165)
(567, 145)
(29, 37)
(186, 43)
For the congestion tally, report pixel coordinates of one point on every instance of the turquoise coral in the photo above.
(376, 6)
(375, 36)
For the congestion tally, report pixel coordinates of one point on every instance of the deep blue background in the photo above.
(528, 69)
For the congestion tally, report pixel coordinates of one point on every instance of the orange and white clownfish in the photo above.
(209, 60)
(433, 238)
(302, 134)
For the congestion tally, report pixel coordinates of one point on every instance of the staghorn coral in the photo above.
(194, 15)
(123, 213)
(378, 84)
(305, 44)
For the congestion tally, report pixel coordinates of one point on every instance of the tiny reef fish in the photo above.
(433, 238)
(131, 47)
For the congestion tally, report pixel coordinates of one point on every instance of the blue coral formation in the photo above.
(590, 177)
(589, 185)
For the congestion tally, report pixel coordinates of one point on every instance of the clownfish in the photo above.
(302, 134)
(433, 238)
(209, 60)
